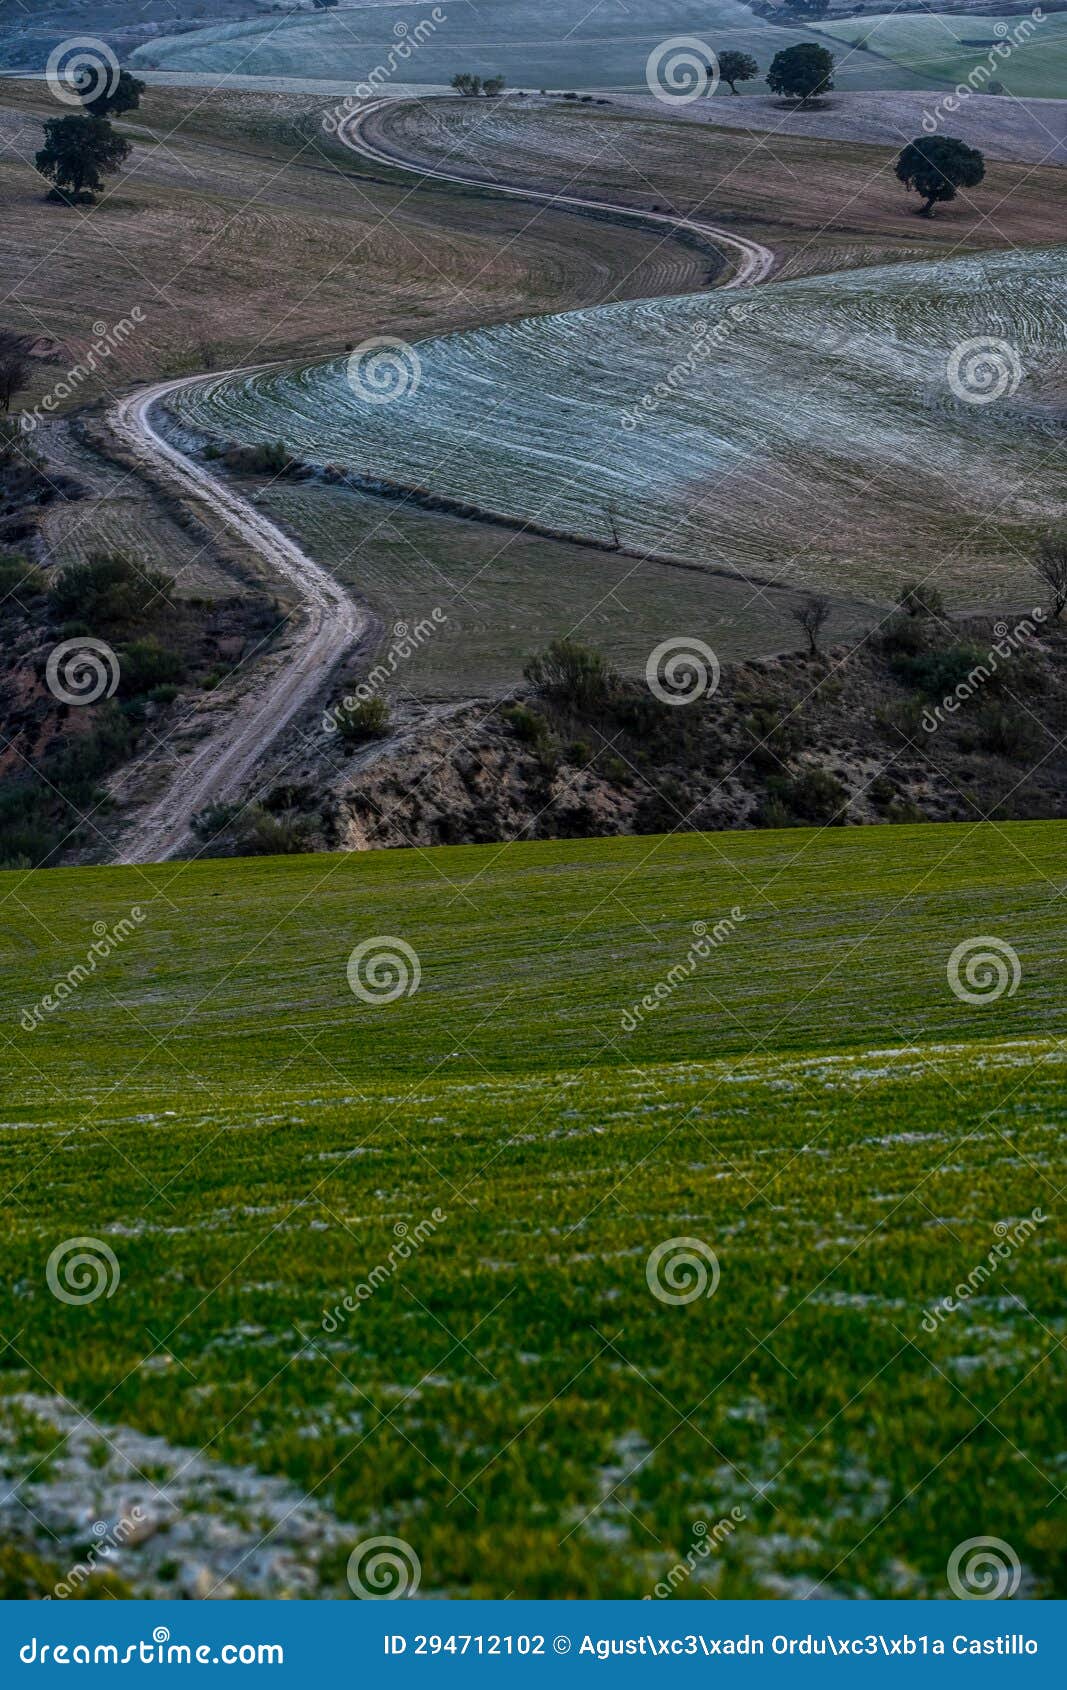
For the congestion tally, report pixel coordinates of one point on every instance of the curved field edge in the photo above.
(538, 43)
(807, 430)
(807, 1096)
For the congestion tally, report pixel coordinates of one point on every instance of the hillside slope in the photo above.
(779, 1055)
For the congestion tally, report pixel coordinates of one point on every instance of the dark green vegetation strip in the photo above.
(811, 1101)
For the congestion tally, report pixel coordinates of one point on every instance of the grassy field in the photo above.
(820, 203)
(243, 233)
(538, 43)
(506, 594)
(811, 1100)
(943, 48)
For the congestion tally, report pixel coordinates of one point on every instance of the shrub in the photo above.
(359, 722)
(939, 673)
(270, 457)
(814, 795)
(774, 741)
(772, 812)
(527, 725)
(108, 591)
(19, 581)
(145, 665)
(919, 598)
(574, 674)
(1008, 733)
(903, 633)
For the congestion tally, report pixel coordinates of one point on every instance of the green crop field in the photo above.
(823, 1096)
(1028, 56)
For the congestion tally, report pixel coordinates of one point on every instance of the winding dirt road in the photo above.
(333, 623)
(755, 262)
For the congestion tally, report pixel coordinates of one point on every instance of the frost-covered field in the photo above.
(533, 43)
(810, 428)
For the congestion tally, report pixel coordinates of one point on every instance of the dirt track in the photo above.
(333, 624)
(755, 262)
